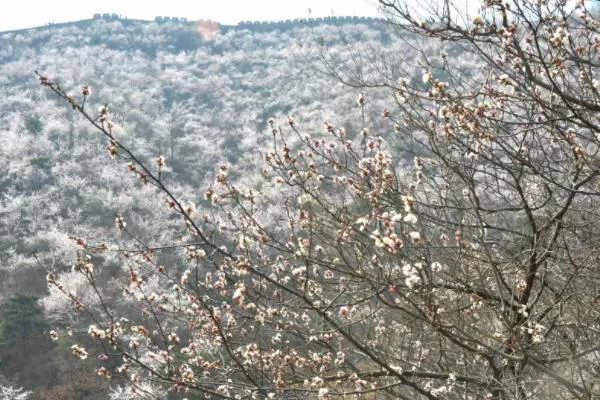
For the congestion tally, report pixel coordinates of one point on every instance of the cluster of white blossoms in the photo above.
(97, 333)
(447, 388)
(79, 351)
(536, 331)
(410, 217)
(412, 275)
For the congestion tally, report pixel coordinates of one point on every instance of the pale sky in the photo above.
(19, 14)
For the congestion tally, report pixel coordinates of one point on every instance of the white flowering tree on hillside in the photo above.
(469, 273)
(10, 393)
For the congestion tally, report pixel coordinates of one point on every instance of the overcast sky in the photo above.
(18, 14)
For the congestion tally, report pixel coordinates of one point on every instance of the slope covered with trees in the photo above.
(206, 105)
(431, 236)
(199, 102)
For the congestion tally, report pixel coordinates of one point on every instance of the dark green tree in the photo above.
(25, 350)
(33, 125)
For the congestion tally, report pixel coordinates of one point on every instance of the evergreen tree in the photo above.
(25, 351)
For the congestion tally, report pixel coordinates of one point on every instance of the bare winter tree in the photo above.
(469, 273)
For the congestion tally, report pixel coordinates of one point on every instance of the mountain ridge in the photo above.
(246, 24)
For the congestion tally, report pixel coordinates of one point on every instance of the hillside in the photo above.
(303, 210)
(199, 101)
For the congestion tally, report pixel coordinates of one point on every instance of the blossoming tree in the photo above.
(468, 273)
(10, 393)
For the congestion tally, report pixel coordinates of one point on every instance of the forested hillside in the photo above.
(314, 209)
(200, 102)
(197, 102)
